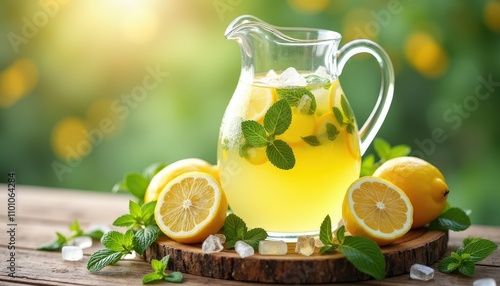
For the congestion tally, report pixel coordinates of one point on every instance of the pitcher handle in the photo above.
(374, 122)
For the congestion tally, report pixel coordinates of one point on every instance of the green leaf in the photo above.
(253, 236)
(53, 245)
(120, 186)
(136, 184)
(144, 237)
(234, 229)
(95, 234)
(480, 249)
(125, 220)
(254, 133)
(153, 169)
(331, 131)
(134, 209)
(346, 108)
(157, 266)
(102, 258)
(325, 231)
(328, 248)
(61, 238)
(338, 116)
(76, 227)
(453, 219)
(152, 277)
(174, 277)
(368, 166)
(311, 140)
(467, 268)
(399, 151)
(128, 240)
(280, 154)
(382, 148)
(365, 255)
(468, 240)
(314, 79)
(341, 234)
(448, 265)
(148, 212)
(114, 241)
(278, 118)
(349, 127)
(165, 259)
(294, 96)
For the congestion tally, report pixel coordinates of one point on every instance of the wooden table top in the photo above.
(40, 212)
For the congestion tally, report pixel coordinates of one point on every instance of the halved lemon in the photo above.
(377, 209)
(173, 170)
(261, 98)
(191, 207)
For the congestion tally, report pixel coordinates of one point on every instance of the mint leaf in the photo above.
(134, 209)
(75, 227)
(331, 131)
(468, 240)
(400, 151)
(325, 231)
(314, 79)
(157, 266)
(254, 133)
(174, 277)
(341, 234)
(253, 236)
(52, 245)
(365, 255)
(382, 148)
(152, 277)
(278, 118)
(338, 116)
(453, 219)
(114, 241)
(145, 237)
(280, 154)
(467, 268)
(368, 166)
(153, 169)
(479, 249)
(94, 234)
(294, 97)
(448, 265)
(125, 220)
(234, 229)
(311, 140)
(148, 212)
(136, 184)
(102, 258)
(346, 108)
(62, 239)
(165, 259)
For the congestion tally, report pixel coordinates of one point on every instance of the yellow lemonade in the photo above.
(288, 190)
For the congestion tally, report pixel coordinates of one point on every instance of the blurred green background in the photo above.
(90, 90)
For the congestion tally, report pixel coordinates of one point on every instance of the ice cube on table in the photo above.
(221, 237)
(72, 253)
(305, 245)
(129, 256)
(291, 77)
(421, 272)
(243, 249)
(81, 241)
(272, 247)
(211, 244)
(484, 282)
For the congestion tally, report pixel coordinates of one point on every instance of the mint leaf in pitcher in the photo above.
(299, 97)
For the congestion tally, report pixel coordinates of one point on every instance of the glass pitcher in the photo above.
(289, 146)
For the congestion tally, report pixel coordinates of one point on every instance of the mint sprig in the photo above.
(464, 259)
(142, 232)
(276, 121)
(159, 267)
(347, 112)
(75, 231)
(236, 229)
(362, 252)
(384, 152)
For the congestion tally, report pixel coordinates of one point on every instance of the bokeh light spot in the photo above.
(17, 80)
(100, 114)
(68, 139)
(492, 15)
(358, 24)
(425, 54)
(309, 6)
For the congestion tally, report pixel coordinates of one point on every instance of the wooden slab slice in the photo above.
(417, 246)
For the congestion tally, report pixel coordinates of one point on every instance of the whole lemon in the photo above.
(422, 182)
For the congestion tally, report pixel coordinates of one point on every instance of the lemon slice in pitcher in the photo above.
(261, 98)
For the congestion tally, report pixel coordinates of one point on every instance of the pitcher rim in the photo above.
(277, 30)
